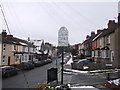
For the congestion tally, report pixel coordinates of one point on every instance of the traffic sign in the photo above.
(63, 37)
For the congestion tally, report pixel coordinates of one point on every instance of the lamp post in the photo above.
(62, 65)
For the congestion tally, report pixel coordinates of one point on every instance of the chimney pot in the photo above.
(87, 37)
(99, 31)
(92, 33)
(4, 33)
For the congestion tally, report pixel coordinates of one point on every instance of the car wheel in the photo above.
(8, 74)
(16, 73)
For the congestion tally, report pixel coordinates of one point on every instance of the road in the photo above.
(30, 79)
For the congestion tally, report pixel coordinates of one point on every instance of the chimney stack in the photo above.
(99, 31)
(4, 33)
(111, 24)
(92, 34)
(87, 37)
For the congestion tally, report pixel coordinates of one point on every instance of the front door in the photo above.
(9, 60)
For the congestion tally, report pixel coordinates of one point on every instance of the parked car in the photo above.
(84, 61)
(9, 71)
(27, 65)
(37, 63)
(48, 61)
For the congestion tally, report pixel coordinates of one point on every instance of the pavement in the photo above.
(82, 78)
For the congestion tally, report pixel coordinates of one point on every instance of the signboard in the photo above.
(63, 37)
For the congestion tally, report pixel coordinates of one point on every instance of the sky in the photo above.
(39, 19)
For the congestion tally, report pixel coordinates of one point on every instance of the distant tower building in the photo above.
(63, 37)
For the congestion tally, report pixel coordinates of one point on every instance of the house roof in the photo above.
(97, 36)
(104, 33)
(9, 39)
(107, 32)
(112, 26)
(90, 39)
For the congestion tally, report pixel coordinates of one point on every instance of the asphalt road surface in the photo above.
(31, 78)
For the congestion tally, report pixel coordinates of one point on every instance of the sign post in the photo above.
(62, 42)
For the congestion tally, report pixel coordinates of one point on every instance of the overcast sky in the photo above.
(42, 20)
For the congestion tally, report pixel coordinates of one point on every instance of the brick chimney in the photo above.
(4, 33)
(111, 24)
(99, 31)
(87, 37)
(92, 34)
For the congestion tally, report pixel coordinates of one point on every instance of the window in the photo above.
(3, 60)
(30, 57)
(16, 58)
(93, 53)
(100, 42)
(107, 53)
(15, 47)
(23, 49)
(25, 57)
(108, 40)
(96, 53)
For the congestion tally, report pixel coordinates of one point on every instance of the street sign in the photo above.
(51, 75)
(63, 37)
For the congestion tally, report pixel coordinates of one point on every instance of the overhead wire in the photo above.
(17, 20)
(10, 34)
(81, 15)
(5, 19)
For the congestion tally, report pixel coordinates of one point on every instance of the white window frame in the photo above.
(108, 40)
(16, 58)
(96, 53)
(25, 57)
(93, 53)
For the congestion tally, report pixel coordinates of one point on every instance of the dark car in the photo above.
(27, 65)
(84, 61)
(31, 65)
(37, 63)
(9, 71)
(48, 61)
